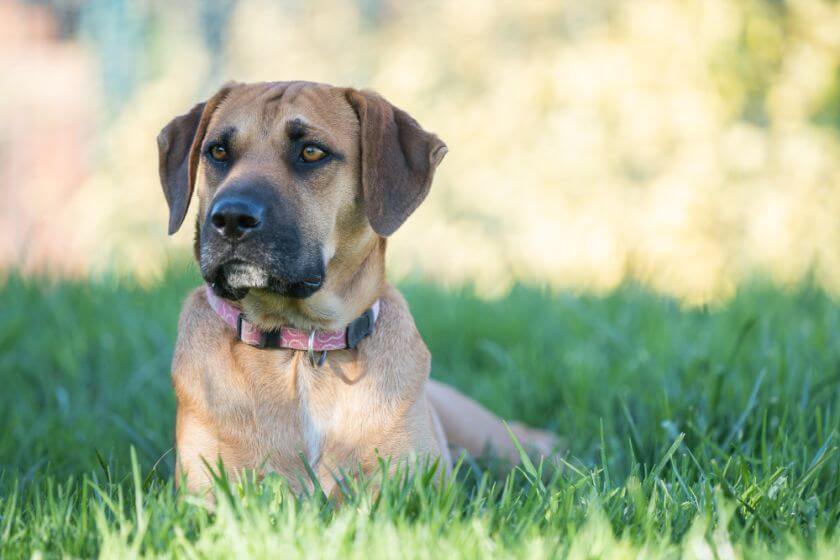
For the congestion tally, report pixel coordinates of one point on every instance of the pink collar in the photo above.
(295, 339)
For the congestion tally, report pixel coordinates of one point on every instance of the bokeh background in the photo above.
(684, 144)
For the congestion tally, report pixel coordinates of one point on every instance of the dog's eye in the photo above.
(311, 153)
(218, 152)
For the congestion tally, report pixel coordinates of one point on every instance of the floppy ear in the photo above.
(178, 145)
(399, 159)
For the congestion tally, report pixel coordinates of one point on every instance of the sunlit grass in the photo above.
(691, 431)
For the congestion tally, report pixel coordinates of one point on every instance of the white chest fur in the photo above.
(313, 422)
(313, 435)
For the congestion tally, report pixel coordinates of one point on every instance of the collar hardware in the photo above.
(310, 351)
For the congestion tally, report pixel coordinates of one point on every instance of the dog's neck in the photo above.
(354, 282)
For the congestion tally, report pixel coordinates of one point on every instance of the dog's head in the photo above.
(296, 183)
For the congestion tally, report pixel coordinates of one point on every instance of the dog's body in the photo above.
(253, 407)
(299, 184)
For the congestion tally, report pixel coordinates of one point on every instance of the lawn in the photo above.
(691, 432)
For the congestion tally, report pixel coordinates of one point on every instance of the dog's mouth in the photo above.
(235, 278)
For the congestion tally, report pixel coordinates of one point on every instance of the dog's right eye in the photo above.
(312, 153)
(218, 152)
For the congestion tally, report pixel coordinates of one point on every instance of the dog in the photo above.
(297, 349)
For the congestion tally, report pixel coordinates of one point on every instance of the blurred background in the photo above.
(685, 144)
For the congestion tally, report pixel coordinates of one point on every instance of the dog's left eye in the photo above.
(218, 152)
(311, 153)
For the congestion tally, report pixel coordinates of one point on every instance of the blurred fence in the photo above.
(684, 143)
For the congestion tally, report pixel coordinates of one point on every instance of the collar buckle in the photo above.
(360, 328)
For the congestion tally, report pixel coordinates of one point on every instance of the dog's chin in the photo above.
(235, 279)
(246, 276)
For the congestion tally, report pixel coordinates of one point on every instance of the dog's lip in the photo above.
(300, 290)
(313, 282)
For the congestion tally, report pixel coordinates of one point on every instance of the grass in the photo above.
(705, 433)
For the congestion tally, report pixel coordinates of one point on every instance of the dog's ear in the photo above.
(179, 144)
(398, 160)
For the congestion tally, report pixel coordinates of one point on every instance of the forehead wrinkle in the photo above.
(276, 92)
(296, 88)
(272, 104)
(282, 105)
(282, 102)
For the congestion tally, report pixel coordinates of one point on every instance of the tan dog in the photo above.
(298, 185)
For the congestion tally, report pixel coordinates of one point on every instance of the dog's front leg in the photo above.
(197, 451)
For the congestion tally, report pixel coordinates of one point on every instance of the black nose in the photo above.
(234, 218)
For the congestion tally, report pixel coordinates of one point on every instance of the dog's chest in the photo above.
(311, 413)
